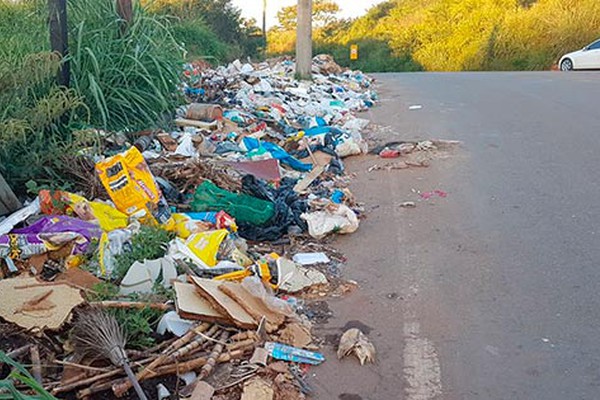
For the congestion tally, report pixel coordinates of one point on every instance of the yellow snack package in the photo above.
(132, 188)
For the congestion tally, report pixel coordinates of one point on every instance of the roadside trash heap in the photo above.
(191, 275)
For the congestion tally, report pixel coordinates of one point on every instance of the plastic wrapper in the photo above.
(336, 219)
(65, 203)
(49, 234)
(206, 245)
(244, 208)
(131, 186)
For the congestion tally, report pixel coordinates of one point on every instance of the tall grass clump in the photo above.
(127, 74)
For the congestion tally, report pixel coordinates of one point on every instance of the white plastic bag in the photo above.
(340, 220)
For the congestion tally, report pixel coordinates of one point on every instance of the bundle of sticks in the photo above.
(200, 350)
(188, 174)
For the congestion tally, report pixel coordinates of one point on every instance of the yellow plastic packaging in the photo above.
(59, 203)
(184, 226)
(206, 245)
(107, 216)
(131, 187)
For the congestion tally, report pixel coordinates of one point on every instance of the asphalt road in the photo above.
(494, 291)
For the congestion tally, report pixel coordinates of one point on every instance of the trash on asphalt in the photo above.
(354, 342)
(408, 204)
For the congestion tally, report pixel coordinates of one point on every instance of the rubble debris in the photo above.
(353, 341)
(203, 391)
(257, 389)
(141, 277)
(296, 335)
(295, 278)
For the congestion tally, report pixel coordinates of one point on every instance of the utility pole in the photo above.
(125, 11)
(59, 38)
(304, 40)
(264, 26)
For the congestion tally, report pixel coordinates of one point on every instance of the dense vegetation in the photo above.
(454, 35)
(123, 77)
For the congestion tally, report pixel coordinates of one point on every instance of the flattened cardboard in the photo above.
(253, 305)
(209, 289)
(191, 305)
(56, 301)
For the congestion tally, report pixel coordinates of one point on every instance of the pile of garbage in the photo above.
(188, 277)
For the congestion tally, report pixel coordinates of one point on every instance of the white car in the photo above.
(586, 58)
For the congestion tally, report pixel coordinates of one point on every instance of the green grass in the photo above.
(20, 376)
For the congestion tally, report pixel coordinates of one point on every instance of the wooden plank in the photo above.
(8, 200)
(302, 185)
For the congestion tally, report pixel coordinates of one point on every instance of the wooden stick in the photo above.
(196, 343)
(310, 153)
(243, 336)
(177, 368)
(20, 351)
(214, 356)
(207, 368)
(119, 390)
(36, 368)
(239, 345)
(132, 304)
(80, 366)
(77, 382)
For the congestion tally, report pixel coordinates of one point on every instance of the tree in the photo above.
(324, 14)
(221, 16)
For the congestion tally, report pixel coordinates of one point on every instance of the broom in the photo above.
(98, 334)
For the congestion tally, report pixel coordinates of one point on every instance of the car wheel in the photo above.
(566, 65)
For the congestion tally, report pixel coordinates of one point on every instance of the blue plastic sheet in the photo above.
(278, 153)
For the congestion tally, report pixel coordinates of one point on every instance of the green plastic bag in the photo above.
(243, 208)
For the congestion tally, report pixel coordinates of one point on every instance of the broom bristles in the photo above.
(99, 334)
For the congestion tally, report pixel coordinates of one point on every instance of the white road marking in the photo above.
(421, 365)
(422, 372)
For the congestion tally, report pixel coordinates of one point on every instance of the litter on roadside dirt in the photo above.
(198, 237)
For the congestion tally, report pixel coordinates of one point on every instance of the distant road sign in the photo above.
(354, 52)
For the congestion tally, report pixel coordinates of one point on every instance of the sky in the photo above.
(253, 8)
